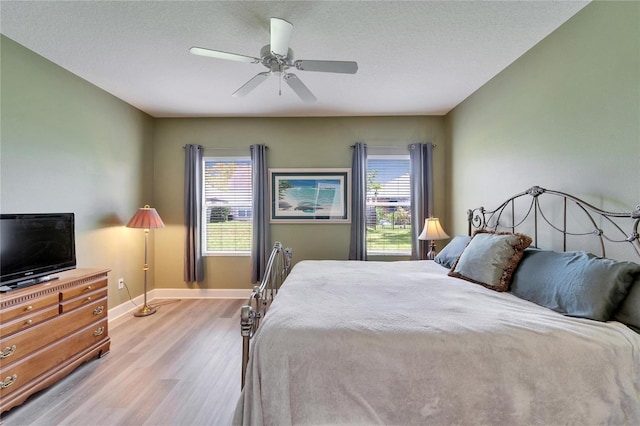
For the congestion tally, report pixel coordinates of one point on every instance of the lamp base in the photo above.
(145, 311)
(432, 252)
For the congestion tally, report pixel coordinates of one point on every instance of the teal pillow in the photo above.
(629, 312)
(577, 283)
(450, 253)
(490, 259)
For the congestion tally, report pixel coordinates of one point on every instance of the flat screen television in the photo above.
(33, 246)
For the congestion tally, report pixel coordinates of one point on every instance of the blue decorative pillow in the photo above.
(450, 253)
(577, 283)
(629, 312)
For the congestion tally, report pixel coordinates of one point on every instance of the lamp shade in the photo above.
(146, 218)
(432, 230)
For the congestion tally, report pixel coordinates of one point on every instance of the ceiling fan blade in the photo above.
(223, 55)
(344, 67)
(298, 86)
(251, 84)
(280, 36)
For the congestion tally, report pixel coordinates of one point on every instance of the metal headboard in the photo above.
(604, 225)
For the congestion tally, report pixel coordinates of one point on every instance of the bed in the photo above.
(420, 342)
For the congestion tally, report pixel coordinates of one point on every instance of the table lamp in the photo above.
(432, 231)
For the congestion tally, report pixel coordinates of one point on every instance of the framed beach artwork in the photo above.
(310, 195)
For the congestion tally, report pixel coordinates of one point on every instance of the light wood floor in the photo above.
(180, 366)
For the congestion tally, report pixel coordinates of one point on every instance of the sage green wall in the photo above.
(566, 116)
(292, 143)
(68, 146)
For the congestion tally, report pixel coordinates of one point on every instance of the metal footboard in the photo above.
(275, 273)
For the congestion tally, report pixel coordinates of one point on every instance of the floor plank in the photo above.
(180, 366)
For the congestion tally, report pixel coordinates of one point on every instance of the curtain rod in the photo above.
(223, 148)
(389, 146)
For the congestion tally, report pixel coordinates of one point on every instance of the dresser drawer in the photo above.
(27, 321)
(70, 293)
(29, 307)
(19, 374)
(17, 346)
(69, 305)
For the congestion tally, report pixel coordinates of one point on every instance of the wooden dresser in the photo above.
(49, 329)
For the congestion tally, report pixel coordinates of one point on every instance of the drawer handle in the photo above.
(7, 352)
(29, 308)
(28, 322)
(98, 310)
(89, 299)
(89, 287)
(8, 381)
(98, 331)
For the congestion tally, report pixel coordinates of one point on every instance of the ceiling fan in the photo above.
(277, 57)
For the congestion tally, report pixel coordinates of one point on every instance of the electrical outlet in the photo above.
(120, 283)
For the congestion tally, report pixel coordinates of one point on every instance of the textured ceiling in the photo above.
(415, 58)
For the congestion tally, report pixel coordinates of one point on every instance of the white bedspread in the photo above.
(401, 343)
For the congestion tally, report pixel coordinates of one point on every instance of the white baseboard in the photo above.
(123, 309)
(200, 293)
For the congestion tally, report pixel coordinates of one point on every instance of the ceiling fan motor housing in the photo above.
(273, 62)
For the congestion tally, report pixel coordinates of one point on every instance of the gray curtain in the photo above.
(358, 245)
(421, 158)
(261, 244)
(193, 262)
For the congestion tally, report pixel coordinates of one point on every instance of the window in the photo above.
(227, 209)
(388, 205)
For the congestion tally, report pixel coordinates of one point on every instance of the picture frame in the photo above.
(310, 195)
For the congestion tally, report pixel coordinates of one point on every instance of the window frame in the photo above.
(205, 206)
(407, 205)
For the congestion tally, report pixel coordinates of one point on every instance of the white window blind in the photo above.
(227, 209)
(388, 205)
